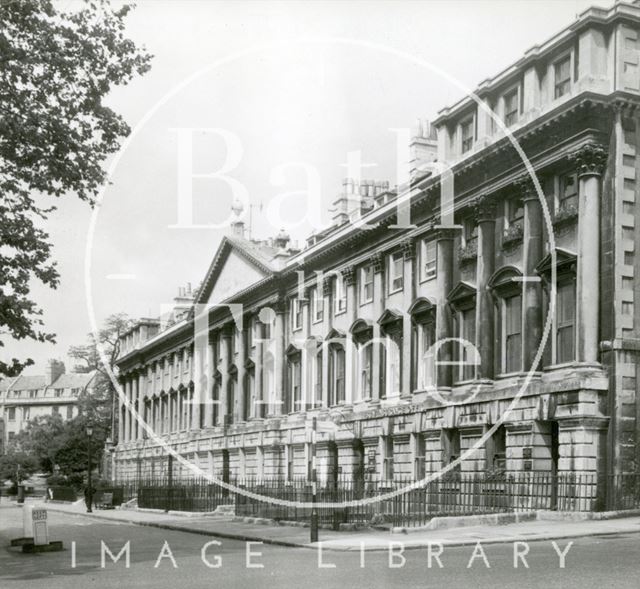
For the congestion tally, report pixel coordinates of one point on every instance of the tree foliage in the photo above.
(56, 68)
(99, 404)
(60, 446)
(17, 466)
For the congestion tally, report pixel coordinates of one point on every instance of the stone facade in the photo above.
(345, 329)
(23, 398)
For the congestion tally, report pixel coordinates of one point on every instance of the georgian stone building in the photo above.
(372, 329)
(23, 398)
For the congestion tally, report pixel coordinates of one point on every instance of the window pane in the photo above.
(565, 320)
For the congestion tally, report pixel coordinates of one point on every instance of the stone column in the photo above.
(444, 236)
(590, 162)
(135, 404)
(531, 288)
(257, 404)
(349, 275)
(127, 414)
(225, 351)
(121, 419)
(327, 315)
(378, 305)
(485, 213)
(208, 388)
(240, 390)
(141, 402)
(409, 291)
(278, 402)
(196, 397)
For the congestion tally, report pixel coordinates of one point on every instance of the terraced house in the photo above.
(24, 397)
(417, 338)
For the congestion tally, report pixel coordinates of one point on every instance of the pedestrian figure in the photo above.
(88, 497)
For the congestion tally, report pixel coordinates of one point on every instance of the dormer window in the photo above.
(466, 134)
(562, 76)
(511, 107)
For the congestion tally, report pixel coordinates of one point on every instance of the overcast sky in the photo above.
(313, 82)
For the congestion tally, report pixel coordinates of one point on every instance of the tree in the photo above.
(56, 68)
(41, 439)
(99, 404)
(17, 466)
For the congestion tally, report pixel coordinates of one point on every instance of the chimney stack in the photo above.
(55, 369)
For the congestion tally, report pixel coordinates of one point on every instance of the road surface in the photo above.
(162, 559)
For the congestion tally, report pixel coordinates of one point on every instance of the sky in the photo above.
(280, 93)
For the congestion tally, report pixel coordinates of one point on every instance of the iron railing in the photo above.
(412, 503)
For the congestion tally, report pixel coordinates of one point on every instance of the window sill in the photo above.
(429, 279)
(396, 291)
(368, 302)
(338, 313)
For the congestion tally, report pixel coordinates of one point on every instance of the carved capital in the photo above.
(326, 286)
(484, 208)
(590, 159)
(377, 260)
(279, 306)
(408, 249)
(525, 187)
(349, 275)
(446, 232)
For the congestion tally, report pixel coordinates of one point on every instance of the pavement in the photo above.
(548, 526)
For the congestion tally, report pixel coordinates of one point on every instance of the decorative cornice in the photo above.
(590, 159)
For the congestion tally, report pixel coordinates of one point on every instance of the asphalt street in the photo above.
(612, 561)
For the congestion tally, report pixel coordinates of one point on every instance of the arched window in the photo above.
(391, 357)
(362, 334)
(423, 337)
(335, 345)
(463, 301)
(506, 285)
(294, 379)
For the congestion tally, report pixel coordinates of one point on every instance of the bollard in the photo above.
(20, 494)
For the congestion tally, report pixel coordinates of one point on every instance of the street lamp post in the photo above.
(314, 483)
(89, 467)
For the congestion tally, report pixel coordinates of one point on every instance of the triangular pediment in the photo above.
(565, 261)
(233, 270)
(461, 292)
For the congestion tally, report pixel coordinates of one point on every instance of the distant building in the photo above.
(23, 398)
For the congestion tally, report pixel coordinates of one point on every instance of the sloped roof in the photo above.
(73, 380)
(29, 383)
